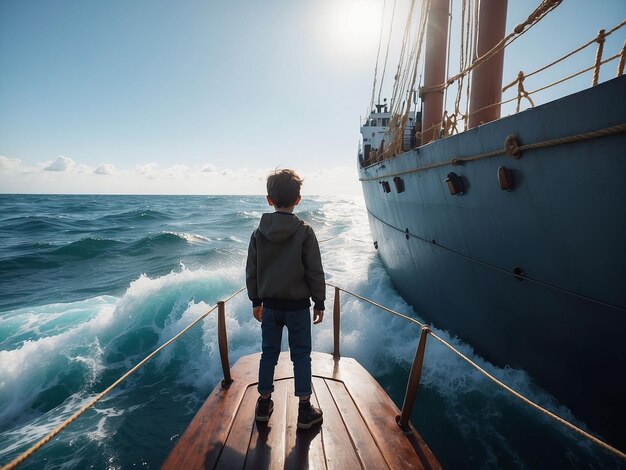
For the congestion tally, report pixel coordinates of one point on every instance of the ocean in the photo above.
(89, 285)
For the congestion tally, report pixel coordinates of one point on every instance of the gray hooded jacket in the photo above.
(284, 267)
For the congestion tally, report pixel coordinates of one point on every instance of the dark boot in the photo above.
(308, 415)
(264, 408)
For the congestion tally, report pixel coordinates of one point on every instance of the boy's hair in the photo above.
(283, 187)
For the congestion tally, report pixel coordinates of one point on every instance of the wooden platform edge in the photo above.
(201, 444)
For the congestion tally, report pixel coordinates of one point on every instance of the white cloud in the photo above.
(9, 164)
(149, 170)
(105, 169)
(60, 176)
(177, 171)
(61, 164)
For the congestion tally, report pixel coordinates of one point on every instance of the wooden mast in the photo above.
(487, 77)
(434, 69)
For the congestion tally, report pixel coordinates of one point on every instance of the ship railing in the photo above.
(450, 121)
(448, 124)
(416, 369)
(410, 394)
(599, 60)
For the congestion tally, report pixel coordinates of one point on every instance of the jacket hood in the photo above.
(279, 226)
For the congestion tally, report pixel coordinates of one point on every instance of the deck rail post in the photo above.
(336, 315)
(222, 341)
(414, 381)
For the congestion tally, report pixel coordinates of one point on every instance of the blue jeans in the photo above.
(299, 329)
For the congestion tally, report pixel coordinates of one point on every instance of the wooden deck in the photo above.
(359, 428)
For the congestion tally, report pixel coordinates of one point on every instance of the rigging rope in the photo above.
(537, 15)
(382, 79)
(541, 11)
(401, 108)
(449, 41)
(401, 112)
(400, 74)
(380, 39)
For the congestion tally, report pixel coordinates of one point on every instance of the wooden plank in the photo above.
(226, 413)
(379, 412)
(201, 444)
(303, 447)
(364, 444)
(267, 444)
(236, 447)
(340, 452)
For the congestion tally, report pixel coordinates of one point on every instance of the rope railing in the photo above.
(412, 386)
(414, 376)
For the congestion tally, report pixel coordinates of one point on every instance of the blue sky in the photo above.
(137, 96)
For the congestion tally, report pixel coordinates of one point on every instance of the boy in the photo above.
(284, 269)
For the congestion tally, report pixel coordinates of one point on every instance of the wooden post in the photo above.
(414, 381)
(222, 341)
(336, 314)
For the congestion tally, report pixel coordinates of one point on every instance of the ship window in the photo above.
(385, 121)
(373, 122)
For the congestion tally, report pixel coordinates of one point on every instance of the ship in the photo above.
(509, 232)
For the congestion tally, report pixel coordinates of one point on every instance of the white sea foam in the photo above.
(31, 368)
(191, 238)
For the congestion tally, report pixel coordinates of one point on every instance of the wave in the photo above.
(189, 237)
(87, 248)
(56, 351)
(47, 255)
(32, 224)
(135, 216)
(161, 241)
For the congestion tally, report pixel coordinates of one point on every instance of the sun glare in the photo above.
(354, 25)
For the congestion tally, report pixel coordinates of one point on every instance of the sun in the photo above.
(354, 25)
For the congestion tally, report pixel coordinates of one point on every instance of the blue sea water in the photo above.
(89, 285)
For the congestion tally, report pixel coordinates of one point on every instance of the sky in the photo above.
(208, 97)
